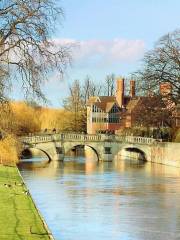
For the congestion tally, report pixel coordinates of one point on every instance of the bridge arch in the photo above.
(32, 151)
(74, 145)
(106, 147)
(143, 152)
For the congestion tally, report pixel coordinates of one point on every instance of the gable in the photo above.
(113, 108)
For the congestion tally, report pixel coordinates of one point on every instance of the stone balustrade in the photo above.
(87, 138)
(140, 140)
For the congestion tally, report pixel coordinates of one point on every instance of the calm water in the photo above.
(82, 199)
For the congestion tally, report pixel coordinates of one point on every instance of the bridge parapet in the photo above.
(134, 139)
(37, 139)
(80, 137)
(62, 137)
(87, 138)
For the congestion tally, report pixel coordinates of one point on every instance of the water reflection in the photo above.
(82, 198)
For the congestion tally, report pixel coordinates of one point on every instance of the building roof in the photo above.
(145, 100)
(109, 106)
(107, 98)
(105, 103)
(133, 103)
(92, 99)
(101, 99)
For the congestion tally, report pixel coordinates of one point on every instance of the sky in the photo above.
(108, 37)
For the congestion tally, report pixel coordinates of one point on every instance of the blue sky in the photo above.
(111, 37)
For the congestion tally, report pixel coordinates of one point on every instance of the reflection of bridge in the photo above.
(107, 147)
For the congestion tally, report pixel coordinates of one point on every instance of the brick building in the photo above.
(112, 113)
(104, 113)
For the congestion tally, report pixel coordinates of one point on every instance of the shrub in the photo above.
(177, 135)
(10, 149)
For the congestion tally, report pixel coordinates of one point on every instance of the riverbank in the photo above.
(19, 218)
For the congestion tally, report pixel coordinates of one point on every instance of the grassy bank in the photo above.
(19, 218)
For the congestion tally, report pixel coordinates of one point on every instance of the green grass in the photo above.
(19, 219)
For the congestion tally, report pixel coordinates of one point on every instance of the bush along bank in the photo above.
(10, 149)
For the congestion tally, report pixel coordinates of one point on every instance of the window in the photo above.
(113, 119)
(115, 109)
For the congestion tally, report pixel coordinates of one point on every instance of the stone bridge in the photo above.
(107, 147)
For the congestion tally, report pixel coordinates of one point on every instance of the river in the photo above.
(83, 199)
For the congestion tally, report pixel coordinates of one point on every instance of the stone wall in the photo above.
(166, 153)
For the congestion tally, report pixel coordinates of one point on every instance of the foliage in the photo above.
(177, 135)
(163, 133)
(9, 150)
(59, 119)
(26, 118)
(152, 112)
(18, 118)
(6, 117)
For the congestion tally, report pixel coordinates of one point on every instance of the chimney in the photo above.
(132, 88)
(165, 88)
(120, 91)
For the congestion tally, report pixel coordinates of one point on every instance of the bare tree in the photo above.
(89, 88)
(27, 51)
(74, 104)
(109, 87)
(6, 117)
(151, 111)
(162, 65)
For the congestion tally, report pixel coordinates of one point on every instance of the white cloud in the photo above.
(104, 52)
